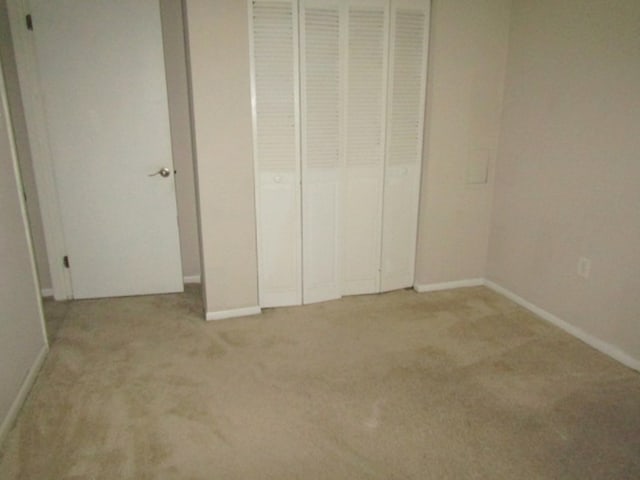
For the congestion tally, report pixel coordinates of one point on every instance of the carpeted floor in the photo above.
(458, 384)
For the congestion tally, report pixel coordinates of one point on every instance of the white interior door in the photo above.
(102, 75)
(321, 117)
(365, 104)
(405, 119)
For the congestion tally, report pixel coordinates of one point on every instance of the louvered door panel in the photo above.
(405, 119)
(322, 124)
(274, 48)
(365, 105)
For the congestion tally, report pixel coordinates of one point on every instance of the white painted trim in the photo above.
(254, 149)
(432, 287)
(9, 419)
(8, 125)
(40, 149)
(604, 347)
(236, 312)
(46, 292)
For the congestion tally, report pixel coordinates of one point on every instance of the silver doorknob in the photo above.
(163, 172)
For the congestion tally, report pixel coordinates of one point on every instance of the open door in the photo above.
(102, 76)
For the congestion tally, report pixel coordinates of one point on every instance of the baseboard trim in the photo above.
(236, 312)
(46, 292)
(10, 418)
(604, 347)
(433, 287)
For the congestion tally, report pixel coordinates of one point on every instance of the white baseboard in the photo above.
(236, 312)
(46, 292)
(432, 287)
(604, 347)
(7, 422)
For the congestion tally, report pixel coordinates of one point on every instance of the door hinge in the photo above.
(65, 261)
(29, 21)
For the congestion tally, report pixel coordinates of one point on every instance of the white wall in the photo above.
(22, 340)
(568, 178)
(218, 43)
(467, 61)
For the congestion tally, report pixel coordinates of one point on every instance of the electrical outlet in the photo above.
(584, 267)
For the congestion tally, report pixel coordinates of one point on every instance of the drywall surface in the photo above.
(22, 146)
(22, 337)
(218, 52)
(568, 177)
(178, 96)
(467, 61)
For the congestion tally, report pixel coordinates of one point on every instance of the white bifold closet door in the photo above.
(363, 175)
(321, 78)
(405, 121)
(338, 145)
(276, 127)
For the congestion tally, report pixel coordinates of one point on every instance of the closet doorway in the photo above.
(338, 110)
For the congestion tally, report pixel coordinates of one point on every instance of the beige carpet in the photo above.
(449, 385)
